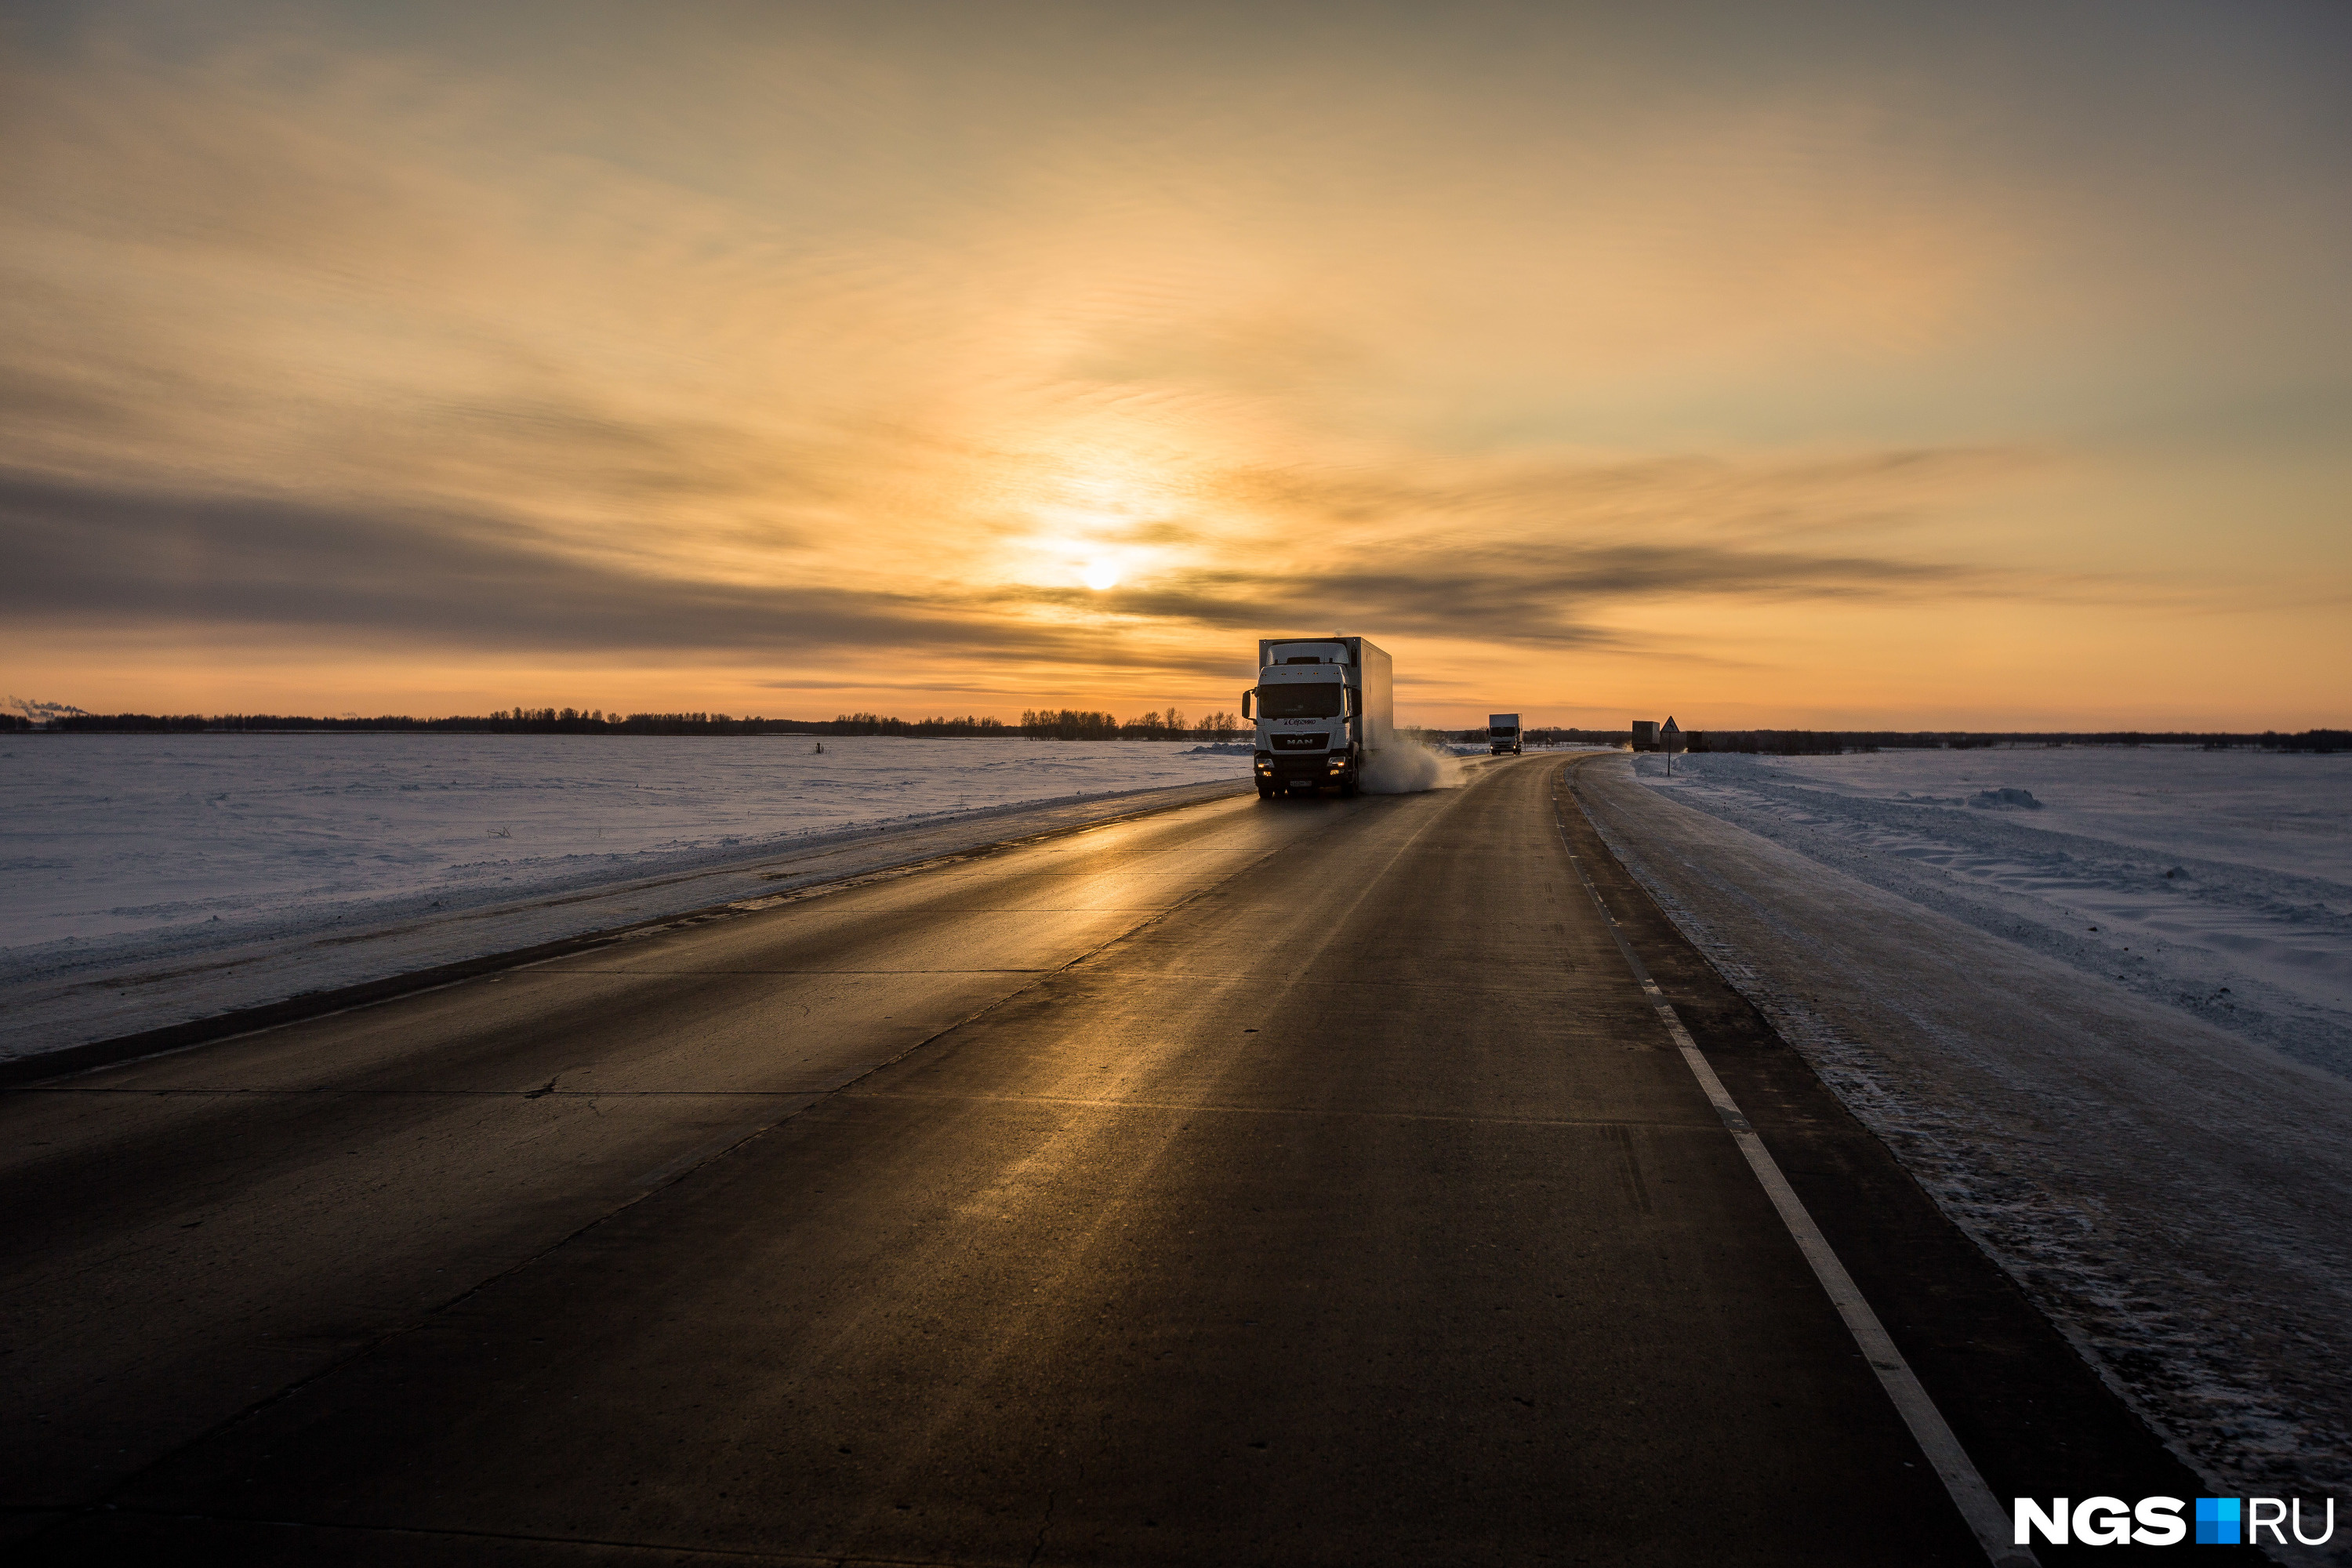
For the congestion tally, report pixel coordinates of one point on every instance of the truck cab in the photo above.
(1503, 734)
(1323, 709)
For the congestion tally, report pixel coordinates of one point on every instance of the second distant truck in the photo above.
(1503, 734)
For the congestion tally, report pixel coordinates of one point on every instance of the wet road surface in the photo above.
(1288, 1182)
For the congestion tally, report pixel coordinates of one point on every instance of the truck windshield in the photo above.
(1321, 700)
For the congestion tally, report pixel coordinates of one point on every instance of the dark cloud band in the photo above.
(90, 558)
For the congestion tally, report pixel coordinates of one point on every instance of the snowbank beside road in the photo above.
(2172, 1191)
(150, 879)
(2219, 882)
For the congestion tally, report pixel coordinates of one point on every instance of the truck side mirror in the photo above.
(1245, 701)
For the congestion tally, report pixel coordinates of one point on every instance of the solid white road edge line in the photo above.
(1968, 1492)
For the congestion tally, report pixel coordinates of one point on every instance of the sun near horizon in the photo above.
(1856, 366)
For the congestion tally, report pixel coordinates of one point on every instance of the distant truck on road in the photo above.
(1503, 734)
(1324, 708)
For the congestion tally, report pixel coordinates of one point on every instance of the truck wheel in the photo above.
(1266, 792)
(1348, 789)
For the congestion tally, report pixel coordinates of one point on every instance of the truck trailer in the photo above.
(1503, 734)
(1324, 708)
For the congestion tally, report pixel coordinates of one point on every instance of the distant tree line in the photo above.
(1570, 737)
(1065, 724)
(875, 724)
(1171, 724)
(505, 721)
(1786, 742)
(135, 723)
(1829, 742)
(1083, 724)
(1817, 742)
(2309, 741)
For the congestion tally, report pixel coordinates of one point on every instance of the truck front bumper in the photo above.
(1292, 770)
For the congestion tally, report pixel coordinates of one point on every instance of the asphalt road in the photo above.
(1289, 1183)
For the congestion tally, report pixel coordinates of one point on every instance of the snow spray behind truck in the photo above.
(1503, 734)
(1325, 708)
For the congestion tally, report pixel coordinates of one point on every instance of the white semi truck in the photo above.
(1324, 708)
(1503, 734)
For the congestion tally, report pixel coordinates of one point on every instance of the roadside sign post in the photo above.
(1670, 735)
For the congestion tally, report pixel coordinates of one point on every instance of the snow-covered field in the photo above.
(2148, 1123)
(2216, 881)
(151, 852)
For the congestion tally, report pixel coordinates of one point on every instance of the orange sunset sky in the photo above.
(1820, 365)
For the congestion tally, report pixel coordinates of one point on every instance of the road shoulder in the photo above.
(2032, 1414)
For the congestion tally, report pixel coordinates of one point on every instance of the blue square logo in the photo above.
(2217, 1521)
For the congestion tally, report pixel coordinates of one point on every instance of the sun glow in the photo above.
(1101, 575)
